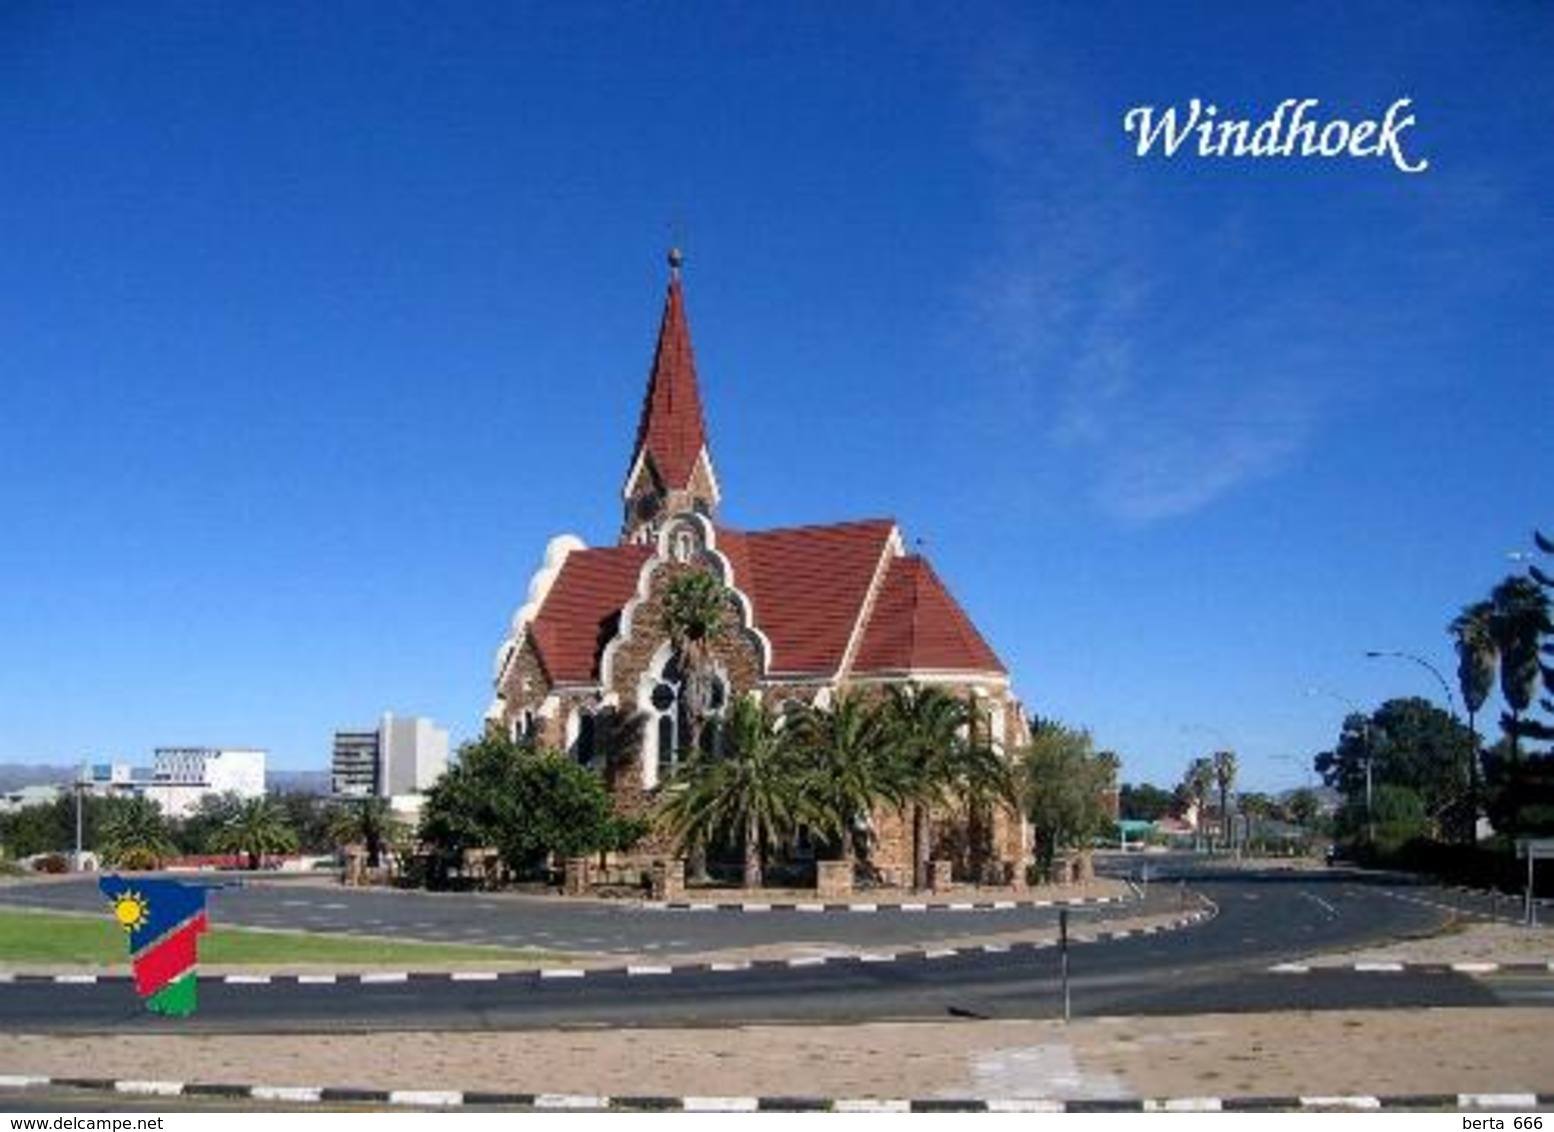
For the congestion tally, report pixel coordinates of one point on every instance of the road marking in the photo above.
(1475, 968)
(1376, 968)
(20, 1081)
(1497, 1100)
(1023, 1105)
(426, 1097)
(876, 957)
(1185, 1104)
(863, 907)
(1340, 1102)
(318, 979)
(150, 1088)
(870, 1104)
(721, 1104)
(941, 953)
(561, 973)
(474, 976)
(1326, 907)
(570, 1101)
(648, 970)
(385, 977)
(247, 980)
(808, 961)
(1290, 969)
(75, 979)
(809, 907)
(914, 907)
(741, 965)
(285, 1093)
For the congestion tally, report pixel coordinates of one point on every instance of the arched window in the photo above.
(665, 702)
(583, 749)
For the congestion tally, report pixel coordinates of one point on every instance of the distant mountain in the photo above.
(13, 776)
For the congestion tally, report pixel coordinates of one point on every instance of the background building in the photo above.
(182, 776)
(404, 756)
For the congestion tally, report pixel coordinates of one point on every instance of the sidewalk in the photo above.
(1282, 1055)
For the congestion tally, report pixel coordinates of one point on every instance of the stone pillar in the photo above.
(939, 873)
(833, 879)
(1084, 868)
(669, 879)
(354, 857)
(576, 876)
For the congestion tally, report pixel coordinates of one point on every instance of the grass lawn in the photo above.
(44, 939)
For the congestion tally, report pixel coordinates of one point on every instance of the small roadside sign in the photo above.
(1536, 848)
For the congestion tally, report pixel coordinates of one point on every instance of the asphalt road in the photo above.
(1222, 965)
(563, 926)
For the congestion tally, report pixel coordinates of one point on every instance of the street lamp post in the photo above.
(1451, 701)
(1451, 706)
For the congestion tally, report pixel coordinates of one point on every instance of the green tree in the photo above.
(368, 822)
(257, 829)
(1224, 779)
(1407, 742)
(1304, 805)
(751, 792)
(846, 765)
(1064, 786)
(525, 802)
(1477, 658)
(1142, 802)
(923, 727)
(1518, 624)
(134, 834)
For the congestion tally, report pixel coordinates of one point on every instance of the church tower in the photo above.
(671, 465)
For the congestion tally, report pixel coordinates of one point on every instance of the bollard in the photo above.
(1063, 954)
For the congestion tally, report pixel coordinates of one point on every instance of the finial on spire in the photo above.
(676, 259)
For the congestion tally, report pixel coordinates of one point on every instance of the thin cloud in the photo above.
(1087, 325)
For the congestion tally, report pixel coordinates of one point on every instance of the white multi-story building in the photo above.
(402, 757)
(182, 776)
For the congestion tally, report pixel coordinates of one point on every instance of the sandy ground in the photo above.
(1428, 1051)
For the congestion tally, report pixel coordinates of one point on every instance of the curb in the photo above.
(635, 971)
(1463, 968)
(863, 906)
(451, 1098)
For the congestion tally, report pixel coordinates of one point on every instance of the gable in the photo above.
(582, 610)
(916, 626)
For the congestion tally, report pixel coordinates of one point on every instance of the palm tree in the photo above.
(368, 822)
(1519, 621)
(1224, 779)
(134, 832)
(1197, 782)
(981, 780)
(695, 617)
(924, 731)
(257, 829)
(1477, 657)
(846, 769)
(750, 791)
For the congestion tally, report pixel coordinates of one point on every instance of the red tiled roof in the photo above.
(807, 586)
(916, 626)
(582, 610)
(671, 430)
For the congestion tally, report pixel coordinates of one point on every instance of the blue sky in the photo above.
(317, 321)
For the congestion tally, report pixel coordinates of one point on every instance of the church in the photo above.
(817, 609)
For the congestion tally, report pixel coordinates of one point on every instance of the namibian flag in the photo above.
(164, 920)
